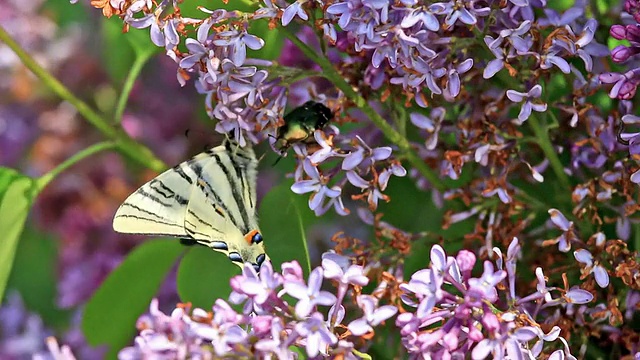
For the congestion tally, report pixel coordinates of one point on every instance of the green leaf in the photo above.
(417, 212)
(418, 258)
(119, 55)
(410, 209)
(141, 43)
(384, 344)
(203, 277)
(16, 196)
(284, 216)
(66, 15)
(124, 48)
(302, 353)
(111, 314)
(6, 177)
(17, 193)
(561, 5)
(273, 41)
(34, 276)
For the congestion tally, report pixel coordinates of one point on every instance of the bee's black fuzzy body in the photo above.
(300, 124)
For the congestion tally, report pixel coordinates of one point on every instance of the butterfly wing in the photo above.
(157, 207)
(210, 198)
(228, 185)
(228, 181)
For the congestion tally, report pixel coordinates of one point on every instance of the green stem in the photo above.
(136, 67)
(400, 118)
(554, 120)
(290, 75)
(530, 200)
(330, 73)
(304, 237)
(57, 87)
(45, 179)
(124, 143)
(544, 142)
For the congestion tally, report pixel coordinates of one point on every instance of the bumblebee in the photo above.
(300, 124)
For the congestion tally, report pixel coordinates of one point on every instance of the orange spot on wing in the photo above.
(249, 236)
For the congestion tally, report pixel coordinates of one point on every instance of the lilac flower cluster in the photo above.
(482, 316)
(23, 333)
(624, 84)
(235, 89)
(412, 45)
(502, 97)
(423, 48)
(269, 326)
(456, 314)
(240, 95)
(360, 161)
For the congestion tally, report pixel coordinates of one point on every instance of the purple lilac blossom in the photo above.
(309, 296)
(469, 321)
(271, 323)
(534, 93)
(23, 333)
(468, 324)
(373, 315)
(407, 36)
(431, 56)
(560, 221)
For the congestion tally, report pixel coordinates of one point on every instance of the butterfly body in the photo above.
(210, 200)
(300, 124)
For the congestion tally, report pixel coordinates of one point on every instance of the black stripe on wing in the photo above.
(215, 245)
(233, 149)
(178, 170)
(203, 222)
(154, 221)
(179, 199)
(242, 171)
(160, 220)
(188, 241)
(159, 187)
(207, 190)
(191, 231)
(237, 197)
(244, 161)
